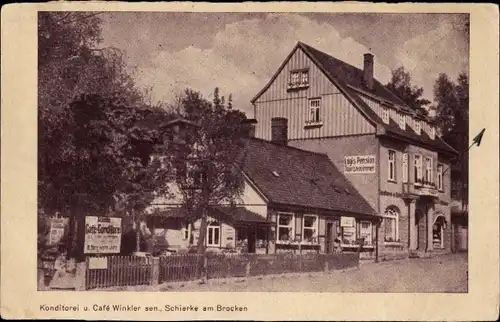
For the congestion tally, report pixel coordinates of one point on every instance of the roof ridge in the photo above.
(289, 147)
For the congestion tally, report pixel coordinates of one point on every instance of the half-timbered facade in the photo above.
(391, 155)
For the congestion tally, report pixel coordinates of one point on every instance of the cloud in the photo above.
(243, 57)
(438, 51)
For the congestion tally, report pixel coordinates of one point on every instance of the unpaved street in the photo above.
(447, 273)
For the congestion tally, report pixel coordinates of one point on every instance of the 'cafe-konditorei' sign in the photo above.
(102, 235)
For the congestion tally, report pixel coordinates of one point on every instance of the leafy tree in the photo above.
(204, 162)
(400, 85)
(95, 133)
(452, 115)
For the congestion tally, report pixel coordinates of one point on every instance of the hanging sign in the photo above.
(102, 235)
(359, 164)
(57, 227)
(347, 221)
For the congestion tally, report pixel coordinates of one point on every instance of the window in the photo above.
(418, 168)
(433, 132)
(405, 167)
(186, 231)
(385, 115)
(365, 231)
(440, 177)
(402, 122)
(418, 126)
(285, 227)
(392, 165)
(428, 169)
(213, 234)
(391, 220)
(314, 110)
(299, 78)
(310, 228)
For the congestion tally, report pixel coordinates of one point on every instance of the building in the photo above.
(391, 155)
(293, 201)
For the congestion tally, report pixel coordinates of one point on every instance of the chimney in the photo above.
(251, 127)
(279, 130)
(368, 70)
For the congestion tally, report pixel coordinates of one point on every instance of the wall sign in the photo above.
(346, 221)
(102, 235)
(359, 164)
(98, 262)
(57, 227)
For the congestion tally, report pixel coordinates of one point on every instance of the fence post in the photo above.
(325, 258)
(81, 275)
(155, 271)
(248, 267)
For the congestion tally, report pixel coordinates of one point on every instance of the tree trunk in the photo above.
(201, 242)
(137, 231)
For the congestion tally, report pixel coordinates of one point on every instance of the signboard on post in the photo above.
(57, 227)
(102, 235)
(347, 221)
(359, 164)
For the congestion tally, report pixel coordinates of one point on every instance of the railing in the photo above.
(114, 271)
(420, 189)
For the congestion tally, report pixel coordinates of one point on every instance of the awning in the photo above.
(241, 215)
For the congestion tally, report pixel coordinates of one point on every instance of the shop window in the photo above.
(390, 222)
(347, 231)
(286, 226)
(365, 230)
(213, 234)
(310, 228)
(392, 165)
(405, 167)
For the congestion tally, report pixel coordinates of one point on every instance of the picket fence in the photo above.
(130, 270)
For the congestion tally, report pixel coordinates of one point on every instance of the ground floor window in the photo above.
(390, 224)
(213, 234)
(438, 232)
(310, 228)
(365, 230)
(285, 227)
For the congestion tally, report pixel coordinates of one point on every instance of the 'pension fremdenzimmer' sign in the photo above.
(360, 164)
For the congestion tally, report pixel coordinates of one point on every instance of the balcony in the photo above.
(420, 188)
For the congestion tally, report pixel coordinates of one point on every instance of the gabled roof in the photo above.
(349, 80)
(291, 176)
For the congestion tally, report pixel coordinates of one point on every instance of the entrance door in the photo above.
(418, 217)
(329, 238)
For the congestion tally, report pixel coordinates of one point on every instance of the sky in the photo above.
(167, 52)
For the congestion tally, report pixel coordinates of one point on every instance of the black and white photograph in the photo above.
(255, 151)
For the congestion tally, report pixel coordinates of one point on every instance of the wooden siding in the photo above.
(338, 115)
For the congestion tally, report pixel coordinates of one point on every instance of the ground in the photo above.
(445, 273)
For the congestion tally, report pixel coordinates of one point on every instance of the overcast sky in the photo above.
(239, 52)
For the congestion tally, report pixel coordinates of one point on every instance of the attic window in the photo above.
(385, 114)
(433, 132)
(402, 121)
(276, 174)
(418, 127)
(299, 79)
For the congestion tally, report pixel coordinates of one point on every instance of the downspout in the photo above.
(379, 221)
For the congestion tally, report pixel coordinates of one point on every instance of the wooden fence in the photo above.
(128, 270)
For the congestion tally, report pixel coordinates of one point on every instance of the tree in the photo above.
(452, 116)
(204, 163)
(400, 85)
(94, 138)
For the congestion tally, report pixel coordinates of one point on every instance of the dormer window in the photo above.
(418, 127)
(402, 121)
(299, 79)
(385, 114)
(433, 132)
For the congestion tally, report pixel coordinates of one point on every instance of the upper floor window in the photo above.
(402, 121)
(405, 167)
(418, 127)
(299, 79)
(418, 168)
(310, 228)
(314, 110)
(286, 226)
(428, 169)
(385, 114)
(392, 165)
(440, 177)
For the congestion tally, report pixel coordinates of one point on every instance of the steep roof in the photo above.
(349, 80)
(290, 176)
